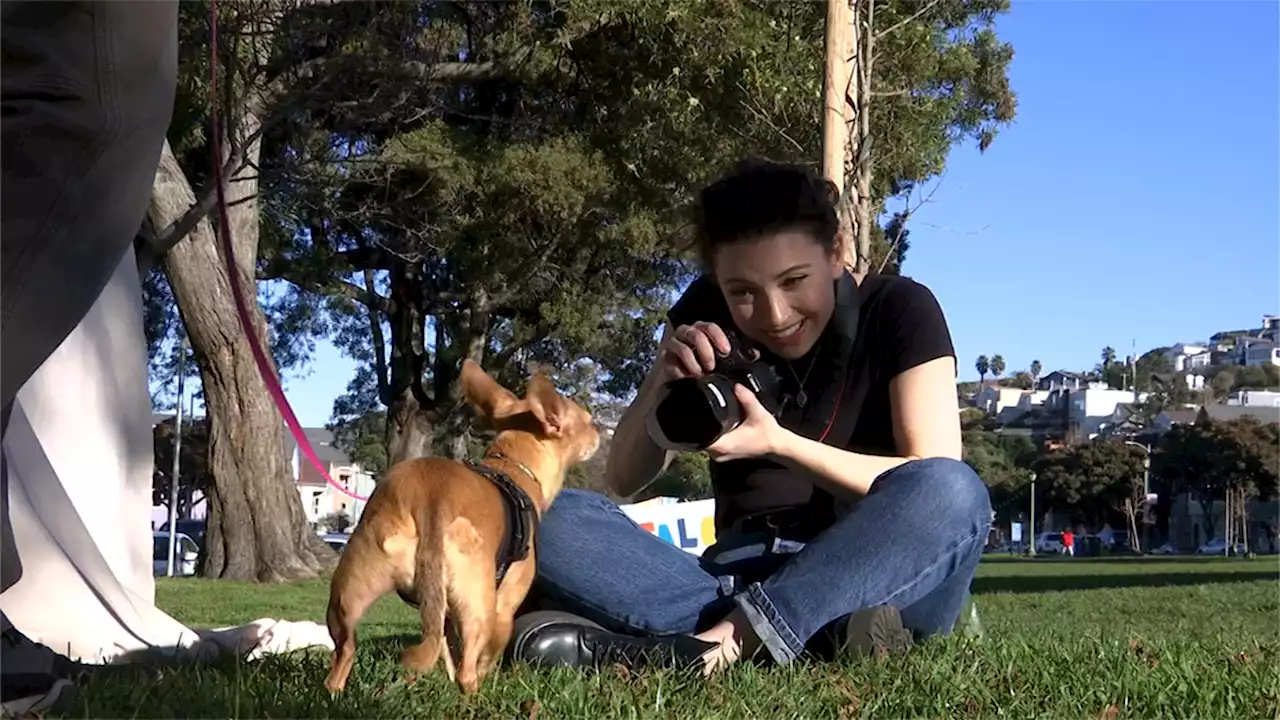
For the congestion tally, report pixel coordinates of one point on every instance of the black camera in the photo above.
(692, 413)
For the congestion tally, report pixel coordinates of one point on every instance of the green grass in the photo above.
(1188, 637)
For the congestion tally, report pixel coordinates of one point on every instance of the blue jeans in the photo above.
(913, 542)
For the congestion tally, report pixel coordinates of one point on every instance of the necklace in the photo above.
(802, 398)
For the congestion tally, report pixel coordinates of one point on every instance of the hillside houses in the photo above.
(1074, 406)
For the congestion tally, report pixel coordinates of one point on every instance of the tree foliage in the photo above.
(532, 213)
(1209, 457)
(194, 474)
(997, 365)
(1091, 481)
(1004, 464)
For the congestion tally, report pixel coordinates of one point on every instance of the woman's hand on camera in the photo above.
(691, 350)
(758, 434)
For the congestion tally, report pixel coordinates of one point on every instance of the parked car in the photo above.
(337, 541)
(186, 552)
(1049, 543)
(190, 527)
(1166, 549)
(1218, 546)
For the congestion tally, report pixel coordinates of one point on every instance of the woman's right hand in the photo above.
(691, 350)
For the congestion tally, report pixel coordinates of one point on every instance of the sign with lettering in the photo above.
(689, 526)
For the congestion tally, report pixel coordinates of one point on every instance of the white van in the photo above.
(186, 553)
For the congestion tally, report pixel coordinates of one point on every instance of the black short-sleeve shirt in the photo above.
(880, 328)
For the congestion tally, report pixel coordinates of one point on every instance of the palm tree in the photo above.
(997, 365)
(983, 366)
(1108, 356)
(1036, 368)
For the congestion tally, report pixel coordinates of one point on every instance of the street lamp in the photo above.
(1146, 491)
(177, 455)
(1031, 529)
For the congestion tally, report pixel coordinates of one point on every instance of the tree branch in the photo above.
(914, 16)
(164, 240)
(902, 224)
(379, 340)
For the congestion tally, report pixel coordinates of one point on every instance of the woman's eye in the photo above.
(793, 281)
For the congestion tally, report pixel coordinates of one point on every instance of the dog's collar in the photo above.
(499, 456)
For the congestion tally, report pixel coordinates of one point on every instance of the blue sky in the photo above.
(1136, 198)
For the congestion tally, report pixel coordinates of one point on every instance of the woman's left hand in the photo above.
(758, 434)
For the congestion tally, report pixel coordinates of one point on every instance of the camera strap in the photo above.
(838, 411)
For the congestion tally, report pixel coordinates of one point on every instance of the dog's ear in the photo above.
(491, 400)
(546, 405)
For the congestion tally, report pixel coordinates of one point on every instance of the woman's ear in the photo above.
(836, 257)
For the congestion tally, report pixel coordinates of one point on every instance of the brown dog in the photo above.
(440, 532)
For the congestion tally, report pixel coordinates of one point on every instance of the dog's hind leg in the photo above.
(359, 581)
(429, 589)
(473, 600)
(511, 595)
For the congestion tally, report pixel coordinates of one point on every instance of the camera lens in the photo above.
(686, 415)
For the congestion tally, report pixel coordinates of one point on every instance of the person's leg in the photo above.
(596, 562)
(648, 595)
(912, 543)
(87, 93)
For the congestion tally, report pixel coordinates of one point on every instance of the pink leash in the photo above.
(269, 377)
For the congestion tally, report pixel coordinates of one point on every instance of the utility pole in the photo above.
(177, 456)
(835, 85)
(1032, 520)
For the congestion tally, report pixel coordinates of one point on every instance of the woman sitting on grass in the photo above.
(848, 510)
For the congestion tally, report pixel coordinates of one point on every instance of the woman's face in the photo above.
(779, 289)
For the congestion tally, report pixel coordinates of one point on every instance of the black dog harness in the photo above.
(522, 516)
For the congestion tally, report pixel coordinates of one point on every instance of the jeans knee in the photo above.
(570, 514)
(572, 501)
(949, 487)
(959, 488)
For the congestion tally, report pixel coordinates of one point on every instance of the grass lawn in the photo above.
(1105, 638)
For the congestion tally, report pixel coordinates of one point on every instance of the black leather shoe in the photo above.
(558, 639)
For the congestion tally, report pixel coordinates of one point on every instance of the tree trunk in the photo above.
(257, 528)
(409, 429)
(858, 158)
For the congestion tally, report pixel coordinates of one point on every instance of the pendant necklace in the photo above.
(802, 398)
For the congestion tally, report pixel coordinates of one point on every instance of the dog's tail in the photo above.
(429, 579)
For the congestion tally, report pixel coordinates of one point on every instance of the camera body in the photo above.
(692, 413)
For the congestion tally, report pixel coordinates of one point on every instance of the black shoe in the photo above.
(876, 631)
(24, 694)
(557, 639)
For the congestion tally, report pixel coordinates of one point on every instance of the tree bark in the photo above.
(257, 528)
(409, 429)
(858, 157)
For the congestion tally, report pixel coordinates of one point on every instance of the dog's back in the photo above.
(433, 530)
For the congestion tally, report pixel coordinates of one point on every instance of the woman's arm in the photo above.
(634, 459)
(926, 424)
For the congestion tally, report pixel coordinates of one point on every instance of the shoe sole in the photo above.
(877, 632)
(32, 704)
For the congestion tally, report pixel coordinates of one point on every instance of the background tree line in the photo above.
(422, 182)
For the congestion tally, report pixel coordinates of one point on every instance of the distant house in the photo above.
(1061, 380)
(1227, 413)
(1092, 408)
(319, 498)
(992, 399)
(1258, 352)
(1176, 416)
(1188, 356)
(1254, 398)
